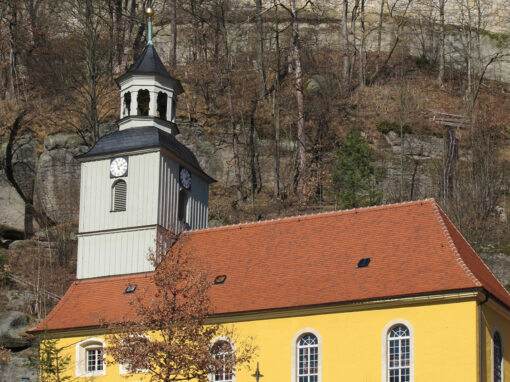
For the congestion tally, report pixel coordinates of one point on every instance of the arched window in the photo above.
(143, 101)
(497, 354)
(119, 196)
(222, 351)
(174, 109)
(127, 104)
(183, 206)
(162, 101)
(90, 358)
(308, 358)
(398, 354)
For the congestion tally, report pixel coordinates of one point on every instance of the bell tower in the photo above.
(140, 180)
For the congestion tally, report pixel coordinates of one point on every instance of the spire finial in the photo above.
(149, 13)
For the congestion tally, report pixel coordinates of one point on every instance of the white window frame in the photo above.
(494, 331)
(232, 344)
(294, 349)
(81, 357)
(384, 343)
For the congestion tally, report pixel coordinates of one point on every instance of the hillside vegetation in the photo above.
(293, 108)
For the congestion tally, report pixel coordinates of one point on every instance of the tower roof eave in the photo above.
(139, 138)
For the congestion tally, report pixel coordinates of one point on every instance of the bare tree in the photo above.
(397, 11)
(176, 308)
(293, 12)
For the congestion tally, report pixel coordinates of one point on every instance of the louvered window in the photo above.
(497, 358)
(183, 206)
(119, 196)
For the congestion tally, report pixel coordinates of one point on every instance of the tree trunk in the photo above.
(42, 219)
(252, 148)
(345, 44)
(174, 33)
(277, 109)
(450, 162)
(379, 35)
(352, 32)
(301, 155)
(441, 41)
(13, 53)
(128, 31)
(92, 69)
(413, 178)
(233, 128)
(361, 72)
(260, 50)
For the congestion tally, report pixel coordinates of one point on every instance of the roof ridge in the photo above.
(112, 278)
(471, 247)
(310, 216)
(453, 247)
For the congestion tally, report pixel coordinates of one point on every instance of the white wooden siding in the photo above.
(115, 253)
(96, 194)
(113, 243)
(168, 193)
(199, 201)
(169, 188)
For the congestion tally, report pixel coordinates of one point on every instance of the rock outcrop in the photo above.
(57, 180)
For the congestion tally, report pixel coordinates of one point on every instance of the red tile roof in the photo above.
(308, 260)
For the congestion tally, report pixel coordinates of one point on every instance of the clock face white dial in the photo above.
(118, 167)
(185, 178)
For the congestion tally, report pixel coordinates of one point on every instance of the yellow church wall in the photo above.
(495, 317)
(445, 343)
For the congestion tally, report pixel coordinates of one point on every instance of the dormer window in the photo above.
(162, 102)
(127, 103)
(143, 101)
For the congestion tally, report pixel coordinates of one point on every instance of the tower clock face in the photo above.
(118, 167)
(185, 178)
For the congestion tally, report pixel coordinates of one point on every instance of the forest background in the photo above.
(293, 106)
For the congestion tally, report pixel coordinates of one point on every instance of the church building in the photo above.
(391, 293)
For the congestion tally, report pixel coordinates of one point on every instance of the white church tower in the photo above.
(139, 181)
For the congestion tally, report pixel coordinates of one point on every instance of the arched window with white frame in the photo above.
(119, 196)
(398, 354)
(306, 356)
(497, 357)
(222, 350)
(90, 358)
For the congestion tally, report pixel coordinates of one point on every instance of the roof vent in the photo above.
(220, 279)
(130, 289)
(363, 263)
